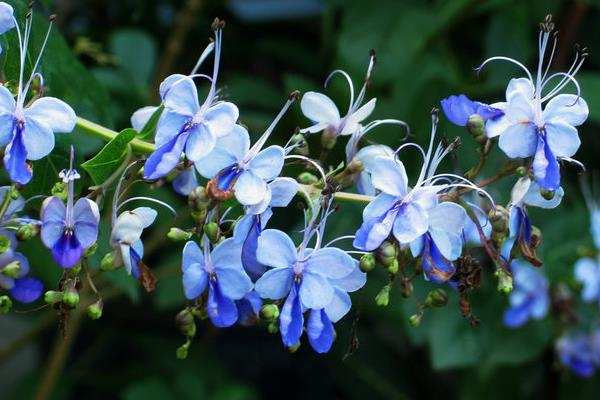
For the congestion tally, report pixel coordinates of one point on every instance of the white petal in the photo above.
(562, 138)
(389, 176)
(566, 107)
(522, 86)
(319, 108)
(249, 189)
(519, 141)
(52, 112)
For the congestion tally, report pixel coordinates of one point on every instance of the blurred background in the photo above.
(106, 58)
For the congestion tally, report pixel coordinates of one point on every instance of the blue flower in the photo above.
(323, 112)
(248, 309)
(587, 271)
(470, 234)
(415, 217)
(219, 270)
(28, 131)
(20, 287)
(247, 230)
(186, 181)
(69, 230)
(530, 129)
(186, 126)
(576, 353)
(309, 280)
(235, 167)
(459, 108)
(530, 298)
(126, 238)
(525, 193)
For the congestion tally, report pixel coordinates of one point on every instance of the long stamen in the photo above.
(162, 203)
(262, 140)
(502, 58)
(117, 194)
(310, 161)
(567, 79)
(203, 57)
(363, 90)
(405, 145)
(350, 85)
(427, 159)
(217, 27)
(357, 137)
(39, 57)
(339, 239)
(21, 58)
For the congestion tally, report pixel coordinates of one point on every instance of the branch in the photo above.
(107, 135)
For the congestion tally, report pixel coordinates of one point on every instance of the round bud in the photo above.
(300, 144)
(383, 297)
(505, 281)
(212, 231)
(178, 235)
(27, 231)
(94, 311)
(273, 327)
(5, 304)
(367, 262)
(60, 190)
(415, 320)
(386, 253)
(329, 138)
(90, 251)
(393, 267)
(53, 297)
(4, 244)
(521, 171)
(198, 198)
(436, 298)
(306, 178)
(547, 194)
(185, 322)
(71, 298)
(182, 351)
(108, 262)
(12, 270)
(499, 219)
(269, 312)
(476, 127)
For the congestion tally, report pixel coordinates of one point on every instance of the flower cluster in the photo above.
(236, 268)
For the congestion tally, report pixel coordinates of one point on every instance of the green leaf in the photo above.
(136, 54)
(110, 158)
(590, 91)
(150, 128)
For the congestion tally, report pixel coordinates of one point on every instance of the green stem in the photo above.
(352, 197)
(106, 134)
(6, 201)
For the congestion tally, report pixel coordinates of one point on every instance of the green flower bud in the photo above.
(269, 312)
(94, 311)
(306, 178)
(436, 298)
(60, 190)
(182, 351)
(108, 262)
(476, 127)
(198, 199)
(505, 281)
(90, 251)
(273, 327)
(415, 320)
(367, 262)
(406, 288)
(53, 297)
(393, 267)
(386, 253)
(71, 298)
(521, 171)
(383, 297)
(185, 322)
(199, 215)
(178, 235)
(328, 139)
(4, 244)
(301, 145)
(27, 231)
(547, 194)
(5, 304)
(12, 269)
(212, 231)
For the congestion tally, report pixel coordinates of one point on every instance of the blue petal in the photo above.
(7, 126)
(220, 119)
(135, 258)
(435, 266)
(165, 158)
(275, 284)
(458, 109)
(410, 223)
(86, 216)
(339, 306)
(291, 320)
(545, 167)
(182, 97)
(283, 191)
(7, 21)
(221, 310)
(234, 282)
(195, 277)
(487, 112)
(320, 331)
(330, 262)
(186, 181)
(276, 249)
(199, 143)
(248, 309)
(53, 215)
(315, 290)
(374, 231)
(38, 139)
(52, 113)
(67, 251)
(267, 163)
(15, 157)
(170, 124)
(516, 316)
(26, 290)
(249, 260)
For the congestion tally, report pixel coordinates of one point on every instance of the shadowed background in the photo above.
(426, 50)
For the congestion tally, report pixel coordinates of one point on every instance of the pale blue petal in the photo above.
(165, 158)
(339, 306)
(533, 197)
(275, 284)
(351, 282)
(379, 206)
(562, 139)
(194, 281)
(448, 216)
(587, 271)
(200, 143)
(291, 319)
(6, 17)
(166, 84)
(186, 181)
(283, 191)
(319, 108)
(276, 249)
(220, 119)
(411, 222)
(569, 108)
(7, 101)
(7, 126)
(38, 139)
(86, 216)
(182, 97)
(519, 140)
(389, 176)
(320, 331)
(221, 310)
(374, 231)
(52, 214)
(235, 283)
(169, 125)
(416, 246)
(140, 118)
(249, 188)
(330, 262)
(53, 113)
(268, 162)
(227, 254)
(448, 243)
(146, 214)
(315, 291)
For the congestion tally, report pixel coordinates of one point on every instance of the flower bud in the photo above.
(367, 262)
(212, 231)
(273, 327)
(521, 171)
(306, 178)
(383, 297)
(90, 251)
(27, 231)
(547, 194)
(5, 304)
(199, 216)
(185, 322)
(71, 297)
(355, 166)
(12, 270)
(406, 288)
(94, 311)
(269, 312)
(505, 281)
(499, 218)
(436, 298)
(53, 297)
(13, 193)
(4, 244)
(301, 145)
(476, 127)
(294, 348)
(386, 253)
(182, 351)
(198, 199)
(60, 190)
(108, 262)
(415, 320)
(178, 235)
(393, 267)
(329, 138)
